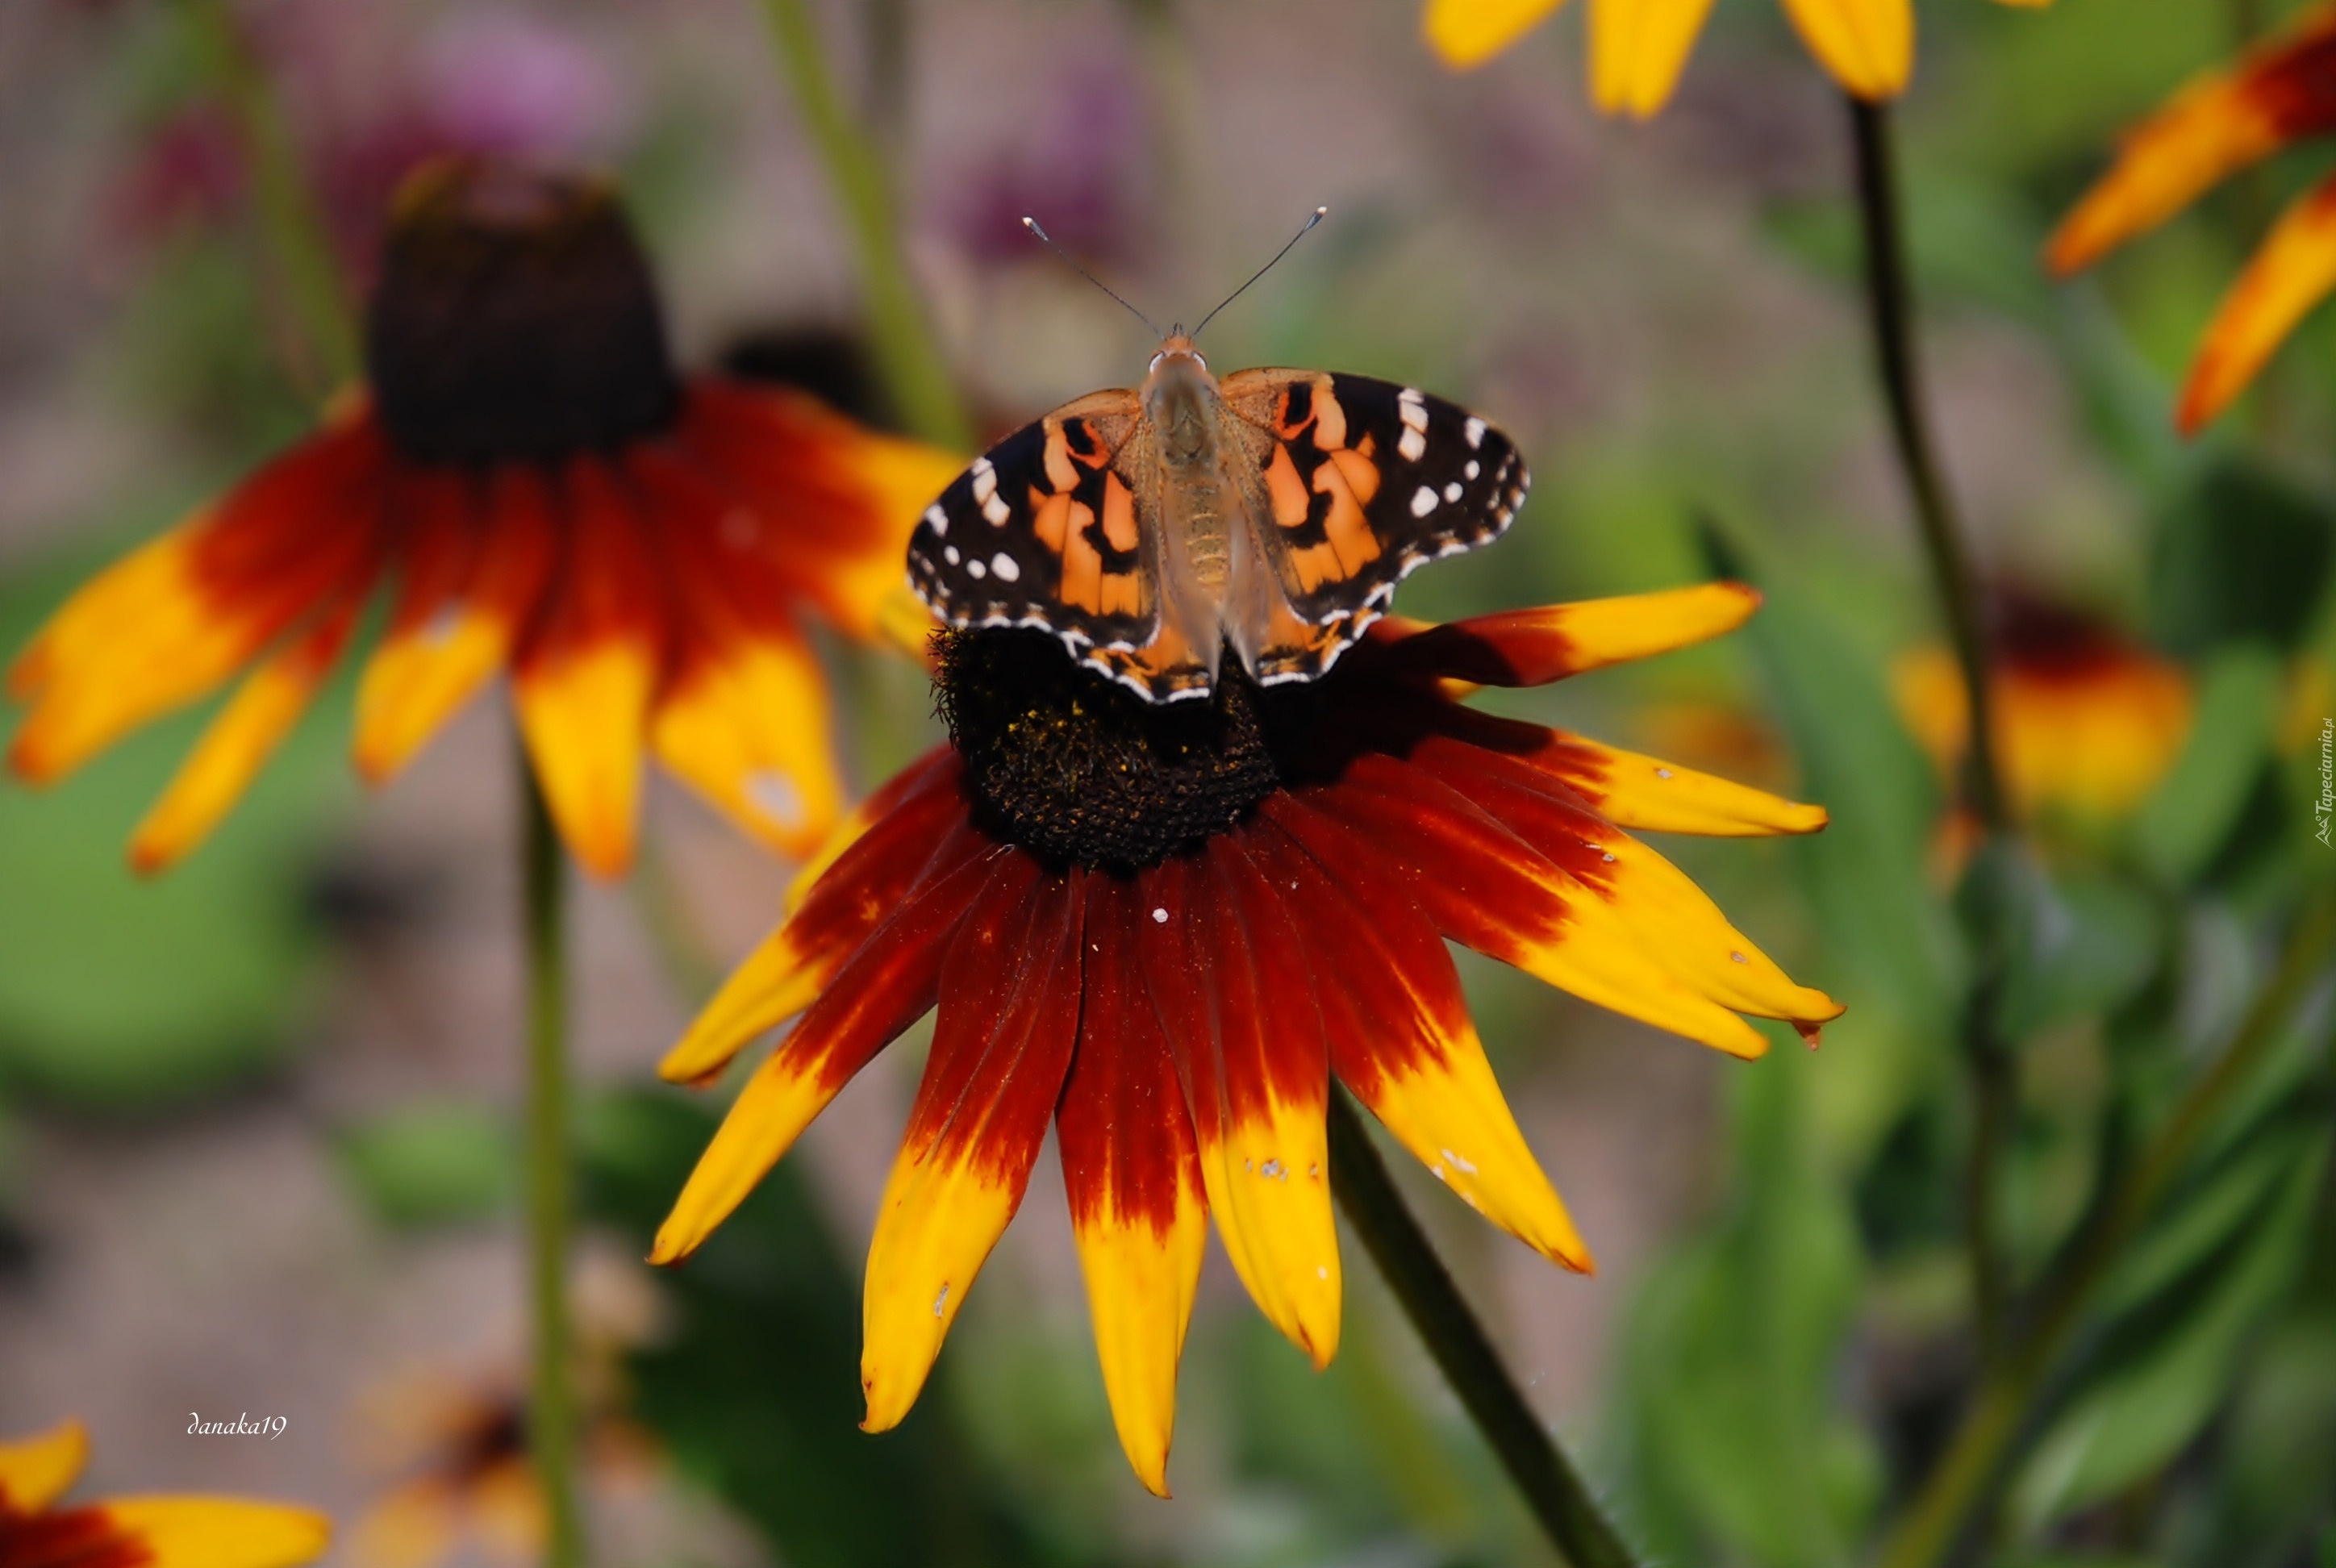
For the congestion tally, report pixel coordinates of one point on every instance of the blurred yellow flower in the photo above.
(2223, 122)
(1637, 47)
(137, 1532)
(2084, 721)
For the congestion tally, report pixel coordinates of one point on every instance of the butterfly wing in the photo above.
(1043, 530)
(1360, 483)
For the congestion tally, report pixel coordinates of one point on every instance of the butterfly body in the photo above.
(1274, 513)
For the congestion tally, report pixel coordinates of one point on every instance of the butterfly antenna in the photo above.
(1304, 228)
(1032, 225)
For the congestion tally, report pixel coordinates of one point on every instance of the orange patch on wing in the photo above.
(1082, 563)
(1050, 518)
(1119, 530)
(1349, 480)
(1286, 489)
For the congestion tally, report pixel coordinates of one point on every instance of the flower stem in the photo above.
(1583, 1536)
(915, 375)
(1890, 307)
(288, 216)
(552, 1414)
(1961, 1488)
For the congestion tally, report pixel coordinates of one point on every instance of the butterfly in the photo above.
(1273, 513)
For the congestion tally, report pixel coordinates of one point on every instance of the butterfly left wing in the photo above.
(1360, 483)
(1042, 531)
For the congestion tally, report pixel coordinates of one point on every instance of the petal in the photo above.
(587, 670)
(746, 723)
(1535, 646)
(856, 822)
(2216, 126)
(1230, 979)
(1636, 50)
(415, 1526)
(1672, 917)
(221, 1532)
(1633, 790)
(240, 741)
(902, 851)
(1132, 1173)
(2293, 272)
(1402, 1040)
(35, 1472)
(1486, 888)
(828, 501)
(1867, 44)
(888, 984)
(477, 555)
(171, 621)
(1009, 1015)
(1467, 33)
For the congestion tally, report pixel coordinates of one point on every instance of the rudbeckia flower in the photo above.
(2224, 122)
(136, 1531)
(1168, 927)
(2086, 721)
(546, 495)
(1639, 47)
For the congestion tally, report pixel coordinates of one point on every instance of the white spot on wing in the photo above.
(1471, 470)
(1423, 500)
(985, 481)
(976, 570)
(1412, 445)
(949, 554)
(1411, 411)
(1474, 431)
(1452, 490)
(936, 519)
(1003, 565)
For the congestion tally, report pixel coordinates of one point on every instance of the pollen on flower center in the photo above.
(515, 319)
(1076, 770)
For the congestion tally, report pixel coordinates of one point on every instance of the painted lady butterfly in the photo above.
(1275, 511)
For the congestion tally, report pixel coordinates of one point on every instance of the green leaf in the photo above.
(432, 1163)
(2240, 556)
(2083, 945)
(2191, 813)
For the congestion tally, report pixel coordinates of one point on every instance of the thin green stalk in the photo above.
(1960, 1490)
(1583, 1534)
(288, 215)
(551, 1412)
(1890, 303)
(915, 375)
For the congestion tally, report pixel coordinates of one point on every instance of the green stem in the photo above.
(1890, 303)
(1962, 1489)
(551, 1415)
(288, 216)
(1555, 1493)
(910, 362)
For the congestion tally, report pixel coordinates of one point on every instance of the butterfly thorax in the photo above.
(1214, 590)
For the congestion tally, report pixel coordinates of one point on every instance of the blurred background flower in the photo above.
(38, 1531)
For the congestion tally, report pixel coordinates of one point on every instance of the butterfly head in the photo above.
(1177, 356)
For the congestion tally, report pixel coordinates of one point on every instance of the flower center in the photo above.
(515, 319)
(1075, 769)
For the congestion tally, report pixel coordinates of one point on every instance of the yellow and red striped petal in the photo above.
(2291, 273)
(1009, 1016)
(1636, 50)
(588, 668)
(890, 982)
(1633, 791)
(170, 621)
(1464, 33)
(2213, 127)
(221, 1532)
(478, 555)
(823, 499)
(239, 742)
(1230, 977)
(1868, 45)
(856, 824)
(922, 838)
(1486, 888)
(1131, 1174)
(1534, 647)
(1402, 1040)
(746, 723)
(36, 1471)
